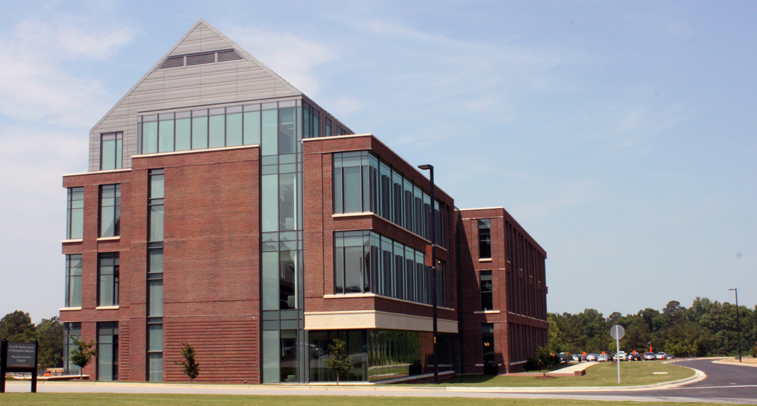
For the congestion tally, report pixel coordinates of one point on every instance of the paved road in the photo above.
(725, 384)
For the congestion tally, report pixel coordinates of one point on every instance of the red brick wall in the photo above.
(320, 226)
(211, 263)
(519, 291)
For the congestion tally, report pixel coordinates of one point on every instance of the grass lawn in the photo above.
(97, 399)
(603, 374)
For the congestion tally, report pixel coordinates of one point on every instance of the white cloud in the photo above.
(291, 57)
(36, 87)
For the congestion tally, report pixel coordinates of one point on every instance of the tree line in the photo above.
(17, 327)
(707, 328)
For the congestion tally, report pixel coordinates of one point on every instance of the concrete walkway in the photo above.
(579, 369)
(313, 389)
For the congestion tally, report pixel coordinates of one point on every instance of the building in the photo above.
(225, 209)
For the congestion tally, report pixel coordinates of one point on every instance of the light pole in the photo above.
(738, 329)
(430, 168)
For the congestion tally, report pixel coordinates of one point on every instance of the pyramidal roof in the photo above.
(252, 79)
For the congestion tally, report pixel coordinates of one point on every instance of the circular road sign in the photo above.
(617, 331)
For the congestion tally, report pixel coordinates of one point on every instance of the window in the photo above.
(363, 183)
(157, 191)
(327, 132)
(486, 290)
(75, 213)
(107, 275)
(111, 151)
(73, 280)
(484, 239)
(156, 197)
(155, 349)
(365, 261)
(352, 191)
(70, 331)
(107, 351)
(221, 127)
(352, 262)
(110, 210)
(487, 337)
(310, 121)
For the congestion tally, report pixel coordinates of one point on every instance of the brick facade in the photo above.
(519, 290)
(212, 260)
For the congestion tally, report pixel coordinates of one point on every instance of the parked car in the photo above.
(649, 356)
(564, 357)
(591, 357)
(577, 357)
(663, 355)
(603, 358)
(621, 356)
(635, 356)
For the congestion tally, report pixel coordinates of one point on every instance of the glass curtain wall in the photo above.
(281, 127)
(379, 354)
(365, 261)
(363, 183)
(156, 196)
(272, 125)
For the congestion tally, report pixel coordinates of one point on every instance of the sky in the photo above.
(620, 134)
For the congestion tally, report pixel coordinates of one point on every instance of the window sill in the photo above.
(481, 365)
(107, 307)
(484, 260)
(109, 238)
(72, 241)
(360, 214)
(370, 213)
(68, 309)
(487, 312)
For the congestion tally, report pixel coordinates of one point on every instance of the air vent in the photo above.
(173, 62)
(178, 61)
(230, 55)
(201, 59)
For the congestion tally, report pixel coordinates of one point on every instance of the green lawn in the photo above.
(602, 374)
(97, 399)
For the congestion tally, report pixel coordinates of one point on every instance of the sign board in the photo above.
(18, 357)
(429, 255)
(617, 331)
(21, 355)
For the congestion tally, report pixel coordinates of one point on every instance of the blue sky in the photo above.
(620, 134)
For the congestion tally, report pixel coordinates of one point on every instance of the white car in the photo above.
(621, 356)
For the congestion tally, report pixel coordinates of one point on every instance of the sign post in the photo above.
(617, 332)
(18, 357)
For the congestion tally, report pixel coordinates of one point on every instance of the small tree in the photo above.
(82, 353)
(339, 362)
(190, 365)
